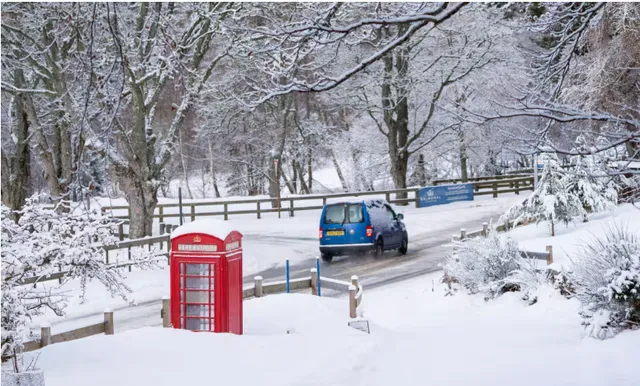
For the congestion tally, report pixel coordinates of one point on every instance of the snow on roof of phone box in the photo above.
(209, 226)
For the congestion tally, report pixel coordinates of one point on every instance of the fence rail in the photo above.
(106, 327)
(493, 185)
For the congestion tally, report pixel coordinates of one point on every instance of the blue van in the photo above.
(361, 226)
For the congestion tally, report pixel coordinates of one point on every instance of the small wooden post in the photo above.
(174, 227)
(258, 285)
(121, 231)
(387, 196)
(324, 201)
(550, 254)
(314, 282)
(485, 229)
(517, 187)
(258, 210)
(495, 190)
(226, 209)
(129, 213)
(162, 230)
(108, 322)
(463, 234)
(352, 301)
(417, 193)
(291, 208)
(166, 312)
(107, 257)
(354, 281)
(129, 253)
(45, 335)
(161, 213)
(193, 212)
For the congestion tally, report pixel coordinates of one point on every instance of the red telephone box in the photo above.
(206, 277)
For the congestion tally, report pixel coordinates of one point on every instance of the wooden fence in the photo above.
(492, 187)
(479, 179)
(484, 232)
(259, 289)
(106, 327)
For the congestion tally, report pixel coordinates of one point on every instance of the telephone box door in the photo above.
(199, 305)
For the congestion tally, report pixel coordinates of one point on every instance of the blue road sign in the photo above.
(445, 194)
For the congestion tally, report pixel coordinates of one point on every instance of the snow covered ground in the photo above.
(566, 243)
(418, 337)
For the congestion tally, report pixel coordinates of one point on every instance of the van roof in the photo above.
(368, 203)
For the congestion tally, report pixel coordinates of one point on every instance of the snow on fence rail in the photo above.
(106, 327)
(487, 186)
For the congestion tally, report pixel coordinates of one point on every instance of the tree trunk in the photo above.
(15, 167)
(185, 174)
(343, 182)
(304, 189)
(464, 176)
(399, 168)
(310, 172)
(142, 197)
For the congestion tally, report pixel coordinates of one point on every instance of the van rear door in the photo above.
(344, 224)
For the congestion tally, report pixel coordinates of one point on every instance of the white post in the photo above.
(258, 286)
(166, 311)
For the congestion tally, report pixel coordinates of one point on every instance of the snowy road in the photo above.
(426, 250)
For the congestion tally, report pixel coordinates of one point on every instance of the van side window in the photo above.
(390, 213)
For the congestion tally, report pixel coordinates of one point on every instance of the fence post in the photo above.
(495, 190)
(291, 208)
(108, 322)
(352, 301)
(129, 212)
(166, 312)
(485, 229)
(286, 277)
(314, 281)
(258, 286)
(226, 209)
(121, 231)
(417, 193)
(162, 230)
(193, 212)
(517, 187)
(107, 256)
(387, 196)
(550, 254)
(324, 201)
(161, 213)
(463, 234)
(319, 279)
(354, 281)
(45, 334)
(129, 253)
(258, 211)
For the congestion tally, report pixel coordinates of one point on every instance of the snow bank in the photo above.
(418, 337)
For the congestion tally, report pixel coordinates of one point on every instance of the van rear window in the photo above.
(335, 214)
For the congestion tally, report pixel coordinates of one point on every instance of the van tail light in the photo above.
(369, 231)
(320, 233)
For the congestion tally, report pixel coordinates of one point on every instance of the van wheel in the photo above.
(405, 246)
(326, 257)
(379, 248)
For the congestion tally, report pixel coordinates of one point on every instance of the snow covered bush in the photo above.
(551, 201)
(606, 278)
(592, 180)
(43, 242)
(491, 266)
